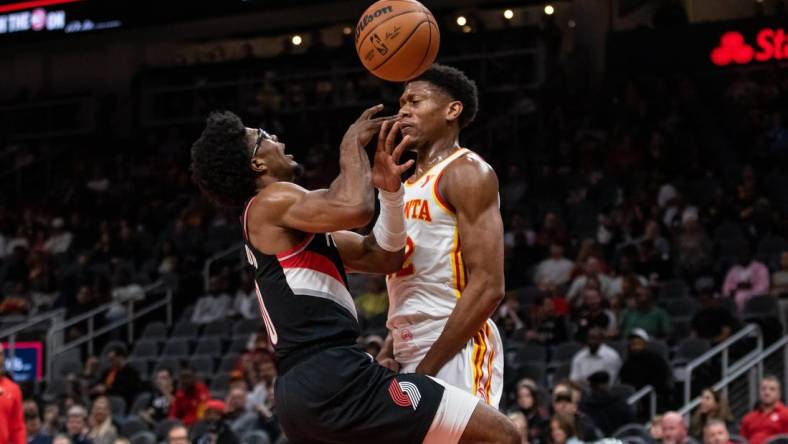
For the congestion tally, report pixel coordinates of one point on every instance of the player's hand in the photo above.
(361, 132)
(390, 364)
(386, 169)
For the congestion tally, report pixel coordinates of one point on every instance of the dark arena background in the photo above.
(641, 148)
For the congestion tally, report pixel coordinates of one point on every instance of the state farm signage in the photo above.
(770, 44)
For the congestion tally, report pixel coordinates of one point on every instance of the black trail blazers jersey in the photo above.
(303, 294)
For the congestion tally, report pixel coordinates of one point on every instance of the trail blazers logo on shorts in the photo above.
(404, 394)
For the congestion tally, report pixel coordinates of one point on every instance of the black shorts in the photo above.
(340, 395)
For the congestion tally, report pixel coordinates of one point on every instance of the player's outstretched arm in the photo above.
(382, 250)
(347, 203)
(471, 187)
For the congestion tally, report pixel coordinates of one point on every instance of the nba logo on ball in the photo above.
(397, 40)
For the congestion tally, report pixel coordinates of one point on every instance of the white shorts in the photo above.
(452, 416)
(477, 369)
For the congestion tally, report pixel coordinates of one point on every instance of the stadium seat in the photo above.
(176, 348)
(169, 362)
(141, 365)
(216, 329)
(681, 328)
(536, 372)
(140, 402)
(761, 306)
(238, 344)
(660, 347)
(117, 406)
(621, 347)
(674, 288)
(228, 362)
(133, 425)
(679, 307)
(526, 354)
(111, 344)
(255, 437)
(208, 347)
(163, 428)
(143, 437)
(623, 391)
(64, 367)
(565, 352)
(690, 349)
(562, 371)
(636, 430)
(220, 383)
(246, 326)
(146, 348)
(202, 365)
(185, 329)
(155, 330)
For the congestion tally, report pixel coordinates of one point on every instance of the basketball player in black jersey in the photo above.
(328, 389)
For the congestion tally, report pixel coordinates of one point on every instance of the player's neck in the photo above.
(431, 154)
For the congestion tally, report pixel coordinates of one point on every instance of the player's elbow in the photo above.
(360, 214)
(493, 294)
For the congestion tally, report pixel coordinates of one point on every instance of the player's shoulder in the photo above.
(471, 171)
(275, 198)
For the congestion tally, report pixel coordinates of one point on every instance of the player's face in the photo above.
(423, 110)
(271, 152)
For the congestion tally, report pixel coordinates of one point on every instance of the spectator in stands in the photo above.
(77, 425)
(238, 415)
(563, 430)
(214, 306)
(645, 315)
(591, 271)
(644, 366)
(593, 315)
(59, 239)
(161, 400)
(52, 423)
(12, 422)
(213, 429)
(245, 303)
(626, 272)
(712, 321)
(102, 431)
(694, 248)
(780, 277)
(716, 432)
(769, 417)
(119, 379)
(566, 402)
(552, 230)
(655, 428)
(536, 418)
(262, 379)
(34, 431)
(544, 324)
(556, 268)
(190, 398)
(521, 424)
(609, 412)
(674, 429)
(121, 440)
(745, 279)
(178, 435)
(62, 439)
(595, 356)
(713, 407)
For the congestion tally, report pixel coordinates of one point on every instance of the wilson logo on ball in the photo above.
(367, 19)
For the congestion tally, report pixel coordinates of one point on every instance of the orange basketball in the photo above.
(397, 40)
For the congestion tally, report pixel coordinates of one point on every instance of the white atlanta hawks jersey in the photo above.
(422, 295)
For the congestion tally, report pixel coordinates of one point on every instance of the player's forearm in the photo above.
(477, 304)
(353, 185)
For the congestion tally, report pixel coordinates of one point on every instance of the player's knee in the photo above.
(509, 433)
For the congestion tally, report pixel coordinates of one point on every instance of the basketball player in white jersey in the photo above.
(452, 279)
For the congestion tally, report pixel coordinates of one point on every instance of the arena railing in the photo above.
(642, 393)
(206, 268)
(754, 368)
(10, 334)
(56, 345)
(723, 348)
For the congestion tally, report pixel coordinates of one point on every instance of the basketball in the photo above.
(397, 40)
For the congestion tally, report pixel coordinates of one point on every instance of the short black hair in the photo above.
(118, 350)
(220, 161)
(458, 86)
